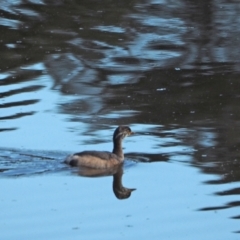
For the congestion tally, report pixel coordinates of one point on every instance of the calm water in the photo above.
(71, 72)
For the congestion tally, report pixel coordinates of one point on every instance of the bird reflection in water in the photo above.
(119, 190)
(102, 163)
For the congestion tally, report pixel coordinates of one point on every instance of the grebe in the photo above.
(102, 160)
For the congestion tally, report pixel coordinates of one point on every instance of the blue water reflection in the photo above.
(70, 72)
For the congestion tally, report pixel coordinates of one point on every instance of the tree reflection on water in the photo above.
(174, 65)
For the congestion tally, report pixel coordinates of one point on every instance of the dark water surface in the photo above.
(71, 71)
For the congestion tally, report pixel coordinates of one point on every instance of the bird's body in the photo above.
(94, 159)
(99, 159)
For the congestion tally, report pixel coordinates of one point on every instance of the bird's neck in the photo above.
(117, 148)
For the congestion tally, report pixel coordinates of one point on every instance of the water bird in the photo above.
(99, 159)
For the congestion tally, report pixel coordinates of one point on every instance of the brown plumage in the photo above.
(102, 160)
